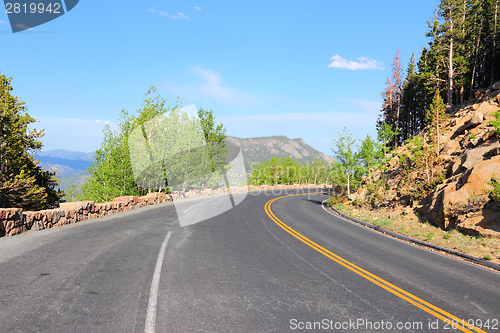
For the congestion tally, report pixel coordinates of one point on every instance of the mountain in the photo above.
(260, 149)
(67, 155)
(78, 179)
(71, 166)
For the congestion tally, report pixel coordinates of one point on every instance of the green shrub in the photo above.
(495, 193)
(333, 200)
(496, 123)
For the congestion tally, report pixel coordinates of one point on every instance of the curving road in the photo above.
(264, 266)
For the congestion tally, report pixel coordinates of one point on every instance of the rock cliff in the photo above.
(469, 158)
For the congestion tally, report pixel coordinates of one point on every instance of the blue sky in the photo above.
(296, 68)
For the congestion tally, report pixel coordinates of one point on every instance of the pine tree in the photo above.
(418, 179)
(436, 119)
(385, 134)
(464, 45)
(392, 98)
(23, 183)
(409, 114)
(426, 84)
(397, 83)
(491, 40)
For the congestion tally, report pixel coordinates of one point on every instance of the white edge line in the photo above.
(155, 284)
(187, 210)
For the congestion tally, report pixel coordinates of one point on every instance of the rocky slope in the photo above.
(470, 157)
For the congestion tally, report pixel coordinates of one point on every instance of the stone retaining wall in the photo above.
(14, 221)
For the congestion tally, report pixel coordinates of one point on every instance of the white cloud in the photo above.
(152, 10)
(161, 63)
(208, 84)
(197, 8)
(106, 122)
(363, 63)
(3, 22)
(213, 87)
(178, 16)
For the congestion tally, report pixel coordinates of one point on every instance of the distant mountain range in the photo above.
(71, 166)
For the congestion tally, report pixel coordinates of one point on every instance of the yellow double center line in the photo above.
(448, 318)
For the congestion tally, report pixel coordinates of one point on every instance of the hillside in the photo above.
(458, 195)
(260, 149)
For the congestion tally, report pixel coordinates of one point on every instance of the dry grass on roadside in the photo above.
(411, 225)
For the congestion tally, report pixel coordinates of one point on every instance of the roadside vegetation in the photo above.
(414, 226)
(112, 174)
(286, 171)
(495, 193)
(23, 183)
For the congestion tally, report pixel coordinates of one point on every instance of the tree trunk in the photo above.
(494, 44)
(450, 67)
(475, 60)
(437, 131)
(348, 186)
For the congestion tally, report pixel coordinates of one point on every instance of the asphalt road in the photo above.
(288, 265)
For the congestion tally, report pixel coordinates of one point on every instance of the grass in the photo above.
(416, 227)
(383, 222)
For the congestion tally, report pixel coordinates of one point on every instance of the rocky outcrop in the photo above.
(470, 157)
(13, 221)
(462, 202)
